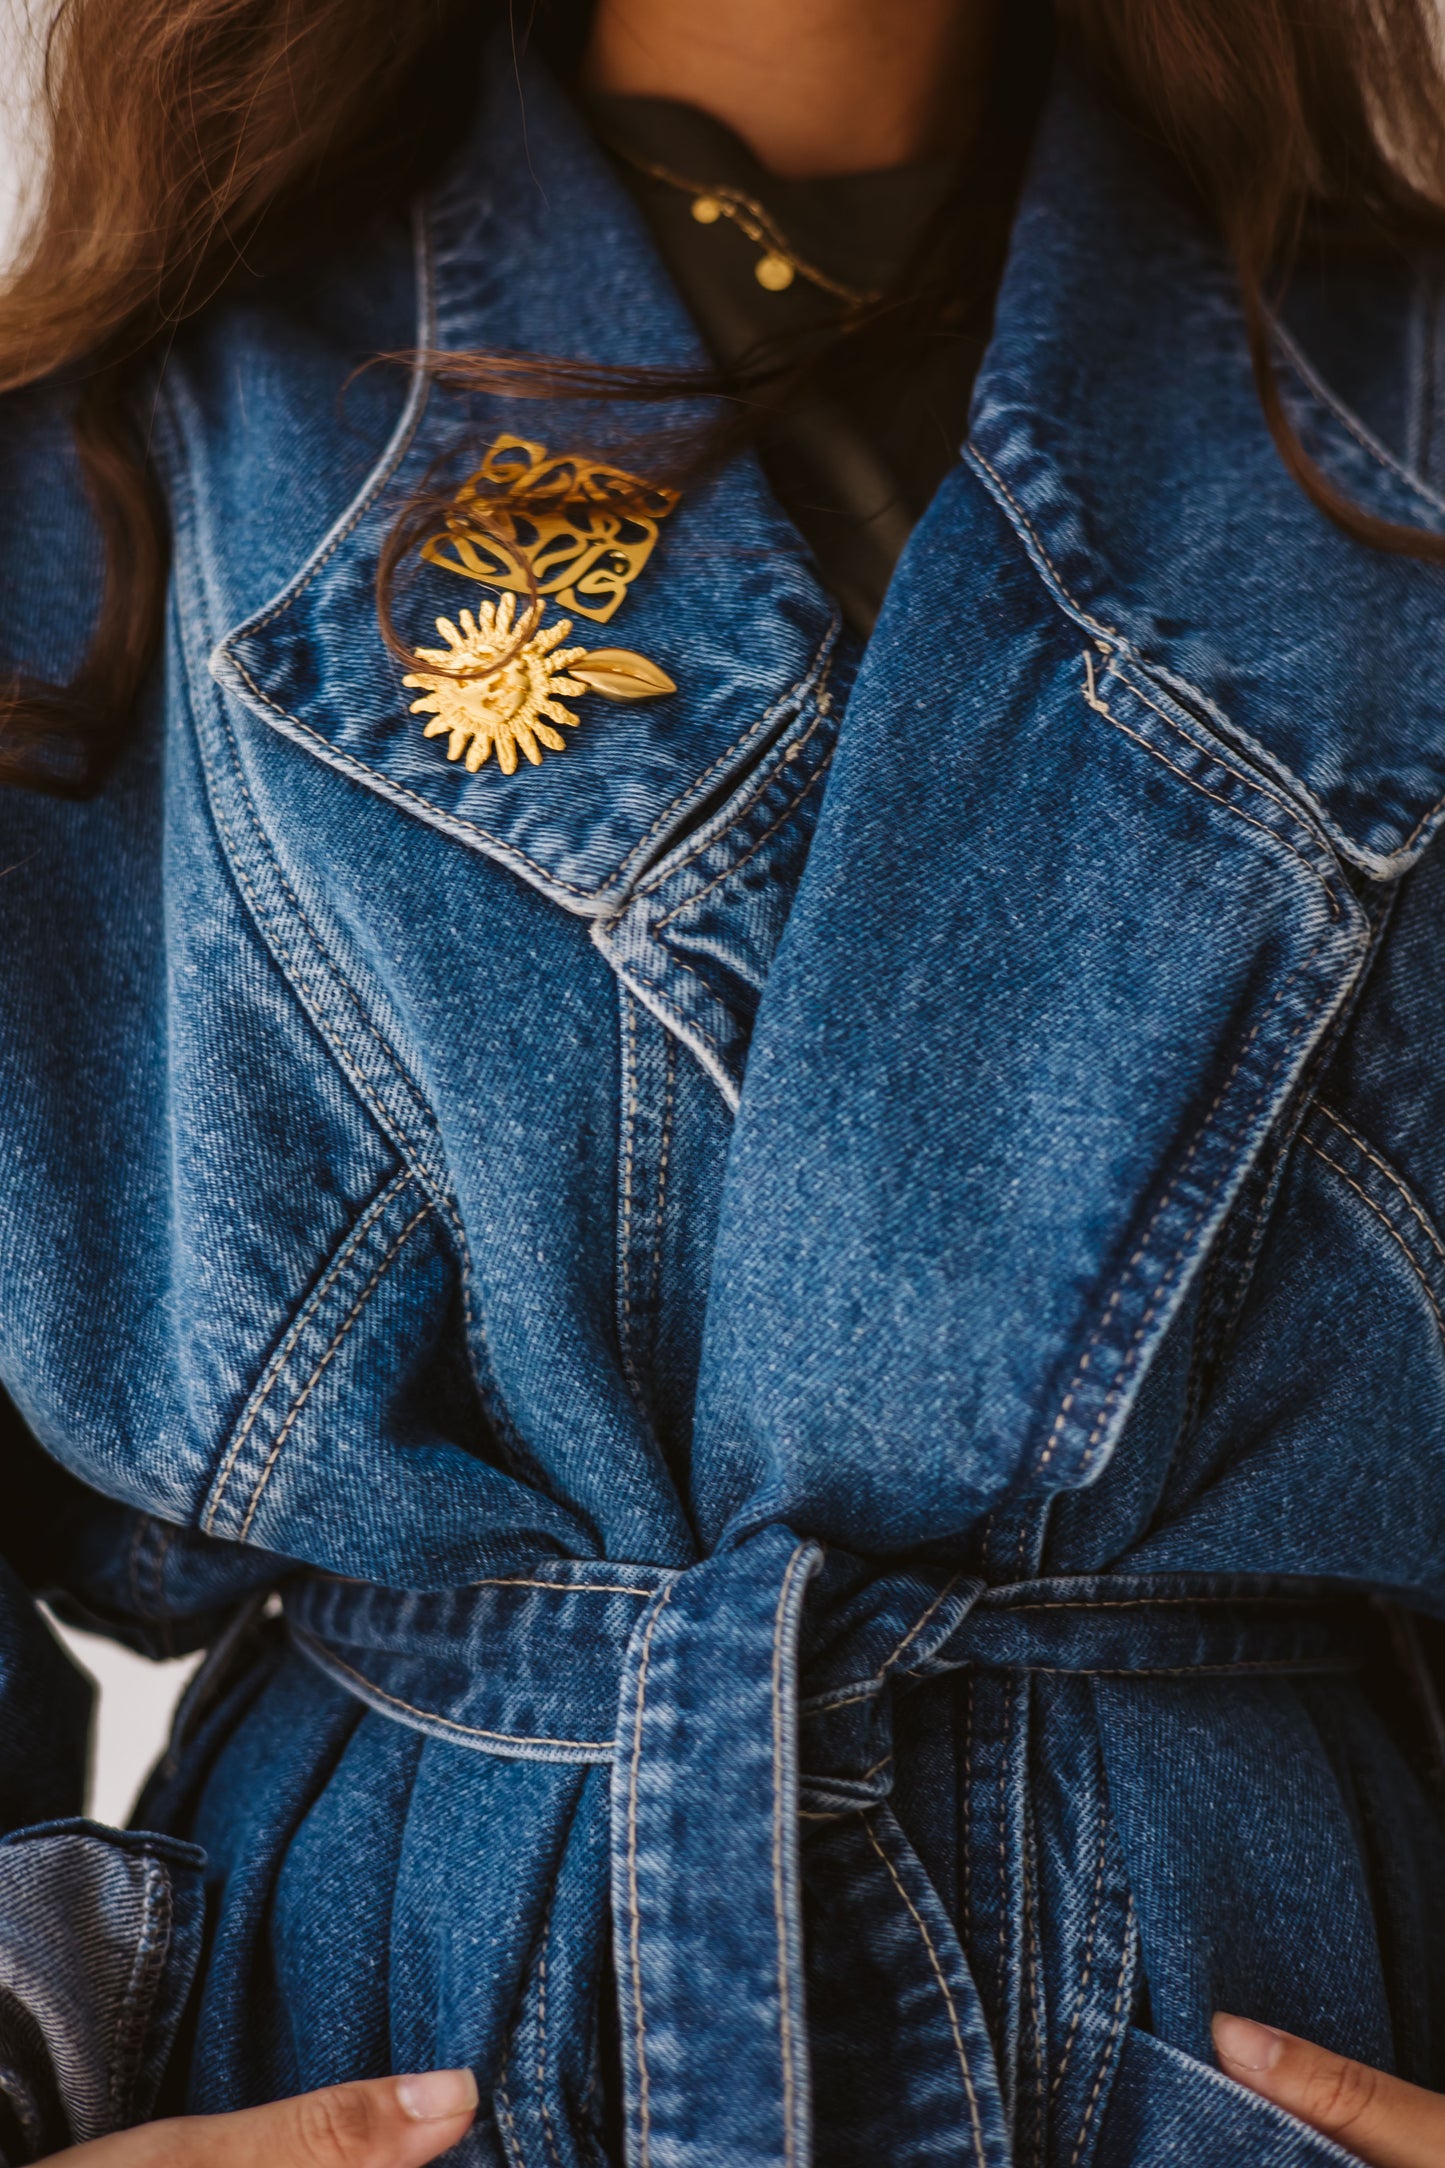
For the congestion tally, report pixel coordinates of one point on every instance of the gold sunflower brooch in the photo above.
(500, 686)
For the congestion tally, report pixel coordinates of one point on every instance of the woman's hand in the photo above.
(1387, 2123)
(376, 2123)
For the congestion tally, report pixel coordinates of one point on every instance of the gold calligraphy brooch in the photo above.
(583, 533)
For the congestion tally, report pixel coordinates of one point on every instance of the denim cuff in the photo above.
(100, 1932)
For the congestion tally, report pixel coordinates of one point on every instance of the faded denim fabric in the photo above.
(827, 1310)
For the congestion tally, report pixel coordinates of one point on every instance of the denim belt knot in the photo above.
(733, 1699)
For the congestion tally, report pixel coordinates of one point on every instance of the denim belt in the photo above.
(729, 1709)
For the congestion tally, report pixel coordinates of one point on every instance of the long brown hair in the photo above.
(183, 133)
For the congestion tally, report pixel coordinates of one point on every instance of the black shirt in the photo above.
(776, 272)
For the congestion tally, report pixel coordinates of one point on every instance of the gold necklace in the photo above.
(779, 263)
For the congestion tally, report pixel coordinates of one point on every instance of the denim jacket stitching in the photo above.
(510, 853)
(267, 1384)
(1086, 1970)
(634, 1941)
(1130, 1354)
(416, 1155)
(1037, 2043)
(1009, 1689)
(626, 1175)
(754, 789)
(548, 2133)
(315, 1378)
(664, 1155)
(1126, 1968)
(798, 799)
(506, 2120)
(960, 2049)
(133, 2012)
(1033, 542)
(1390, 1228)
(448, 1723)
(1034, 547)
(1379, 452)
(786, 2046)
(1094, 700)
(1396, 1181)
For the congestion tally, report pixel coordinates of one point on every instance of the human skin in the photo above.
(814, 87)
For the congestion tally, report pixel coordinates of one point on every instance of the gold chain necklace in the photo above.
(779, 263)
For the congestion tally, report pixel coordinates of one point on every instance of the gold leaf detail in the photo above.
(618, 674)
(586, 551)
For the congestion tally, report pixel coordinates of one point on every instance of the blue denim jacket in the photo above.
(827, 1307)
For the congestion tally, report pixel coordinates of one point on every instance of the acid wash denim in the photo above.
(794, 1360)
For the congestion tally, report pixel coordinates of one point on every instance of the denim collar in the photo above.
(1117, 423)
(533, 246)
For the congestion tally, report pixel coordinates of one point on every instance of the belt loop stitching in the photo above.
(1039, 2055)
(548, 2132)
(1117, 2018)
(919, 1623)
(644, 2106)
(1009, 1689)
(938, 1973)
(780, 1915)
(1088, 1966)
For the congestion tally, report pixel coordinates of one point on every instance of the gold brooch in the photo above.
(587, 551)
(499, 684)
(512, 708)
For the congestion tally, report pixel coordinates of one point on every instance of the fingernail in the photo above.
(433, 2095)
(1248, 2046)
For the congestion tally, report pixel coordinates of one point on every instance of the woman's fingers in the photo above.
(375, 2123)
(1388, 2123)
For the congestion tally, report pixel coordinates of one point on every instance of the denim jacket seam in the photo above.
(1054, 580)
(449, 1723)
(940, 1978)
(1368, 442)
(681, 1021)
(294, 1412)
(1294, 813)
(1396, 1180)
(261, 1393)
(798, 799)
(395, 1131)
(1087, 1968)
(786, 2021)
(268, 920)
(1093, 699)
(634, 1932)
(1390, 1228)
(1129, 1356)
(134, 2009)
(548, 2133)
(753, 789)
(1116, 2022)
(626, 1172)
(511, 853)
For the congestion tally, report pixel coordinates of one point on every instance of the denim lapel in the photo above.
(532, 246)
(1117, 424)
(1075, 919)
